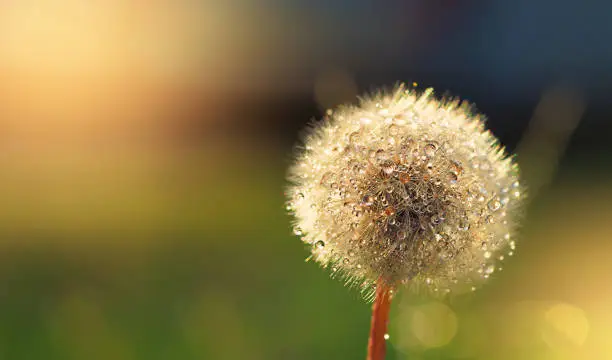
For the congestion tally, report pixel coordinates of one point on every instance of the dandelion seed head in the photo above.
(405, 188)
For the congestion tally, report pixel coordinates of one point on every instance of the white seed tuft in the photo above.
(408, 189)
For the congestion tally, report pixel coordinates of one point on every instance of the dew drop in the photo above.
(452, 178)
(404, 178)
(487, 254)
(367, 200)
(320, 244)
(456, 167)
(464, 225)
(512, 245)
(326, 178)
(388, 167)
(428, 281)
(351, 253)
(389, 211)
(430, 149)
(494, 204)
(386, 336)
(380, 155)
(489, 269)
(436, 219)
(346, 261)
(298, 231)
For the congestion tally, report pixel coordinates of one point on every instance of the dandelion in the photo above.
(404, 190)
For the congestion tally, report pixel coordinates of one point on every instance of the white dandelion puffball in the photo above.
(406, 189)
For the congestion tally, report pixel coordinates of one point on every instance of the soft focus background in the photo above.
(143, 147)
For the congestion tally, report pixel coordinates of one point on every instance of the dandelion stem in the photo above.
(378, 326)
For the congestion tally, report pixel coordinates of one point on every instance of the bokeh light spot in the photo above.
(434, 324)
(565, 325)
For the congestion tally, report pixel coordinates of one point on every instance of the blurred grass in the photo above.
(214, 273)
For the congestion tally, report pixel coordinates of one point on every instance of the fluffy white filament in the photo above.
(407, 189)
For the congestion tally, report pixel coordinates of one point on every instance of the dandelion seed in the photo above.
(399, 193)
(420, 189)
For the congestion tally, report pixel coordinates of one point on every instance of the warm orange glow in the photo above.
(72, 36)
(69, 67)
(93, 99)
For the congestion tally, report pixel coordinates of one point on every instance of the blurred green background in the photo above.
(143, 149)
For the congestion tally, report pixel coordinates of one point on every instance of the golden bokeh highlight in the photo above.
(566, 326)
(434, 324)
(89, 70)
(430, 325)
(87, 36)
